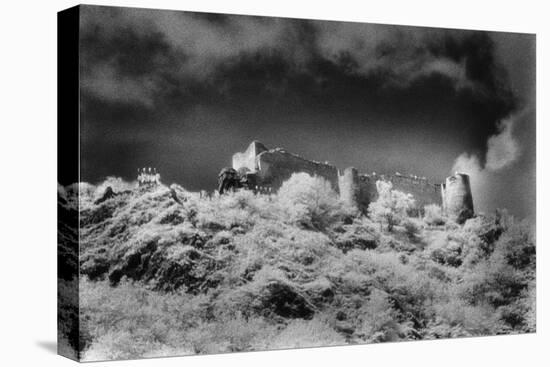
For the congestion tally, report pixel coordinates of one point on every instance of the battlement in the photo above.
(266, 170)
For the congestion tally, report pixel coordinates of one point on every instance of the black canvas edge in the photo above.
(68, 149)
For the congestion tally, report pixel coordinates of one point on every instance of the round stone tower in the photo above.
(458, 203)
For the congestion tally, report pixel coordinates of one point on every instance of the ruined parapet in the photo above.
(277, 165)
(456, 193)
(269, 168)
(247, 159)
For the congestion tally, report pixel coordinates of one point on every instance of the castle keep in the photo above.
(266, 169)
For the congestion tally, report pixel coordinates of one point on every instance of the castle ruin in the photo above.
(265, 170)
(148, 177)
(271, 167)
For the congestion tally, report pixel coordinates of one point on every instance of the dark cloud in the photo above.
(155, 50)
(163, 87)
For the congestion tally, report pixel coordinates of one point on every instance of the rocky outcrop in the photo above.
(108, 194)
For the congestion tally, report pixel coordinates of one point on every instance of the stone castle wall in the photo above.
(424, 192)
(269, 168)
(361, 189)
(276, 166)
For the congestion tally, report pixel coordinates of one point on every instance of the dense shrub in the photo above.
(306, 333)
(310, 201)
(517, 245)
(433, 215)
(230, 334)
(445, 250)
(361, 233)
(392, 206)
(241, 208)
(379, 321)
(412, 229)
(458, 318)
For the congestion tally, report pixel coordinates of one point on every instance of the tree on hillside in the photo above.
(433, 215)
(391, 207)
(310, 201)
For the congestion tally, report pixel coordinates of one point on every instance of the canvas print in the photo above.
(233, 183)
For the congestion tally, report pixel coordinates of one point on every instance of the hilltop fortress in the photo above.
(266, 169)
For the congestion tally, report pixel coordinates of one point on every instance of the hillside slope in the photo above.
(167, 272)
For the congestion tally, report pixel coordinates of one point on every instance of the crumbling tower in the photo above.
(457, 199)
(247, 159)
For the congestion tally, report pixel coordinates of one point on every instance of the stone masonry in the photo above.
(266, 170)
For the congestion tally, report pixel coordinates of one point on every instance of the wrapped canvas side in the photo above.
(68, 330)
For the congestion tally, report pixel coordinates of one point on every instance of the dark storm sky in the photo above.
(183, 91)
